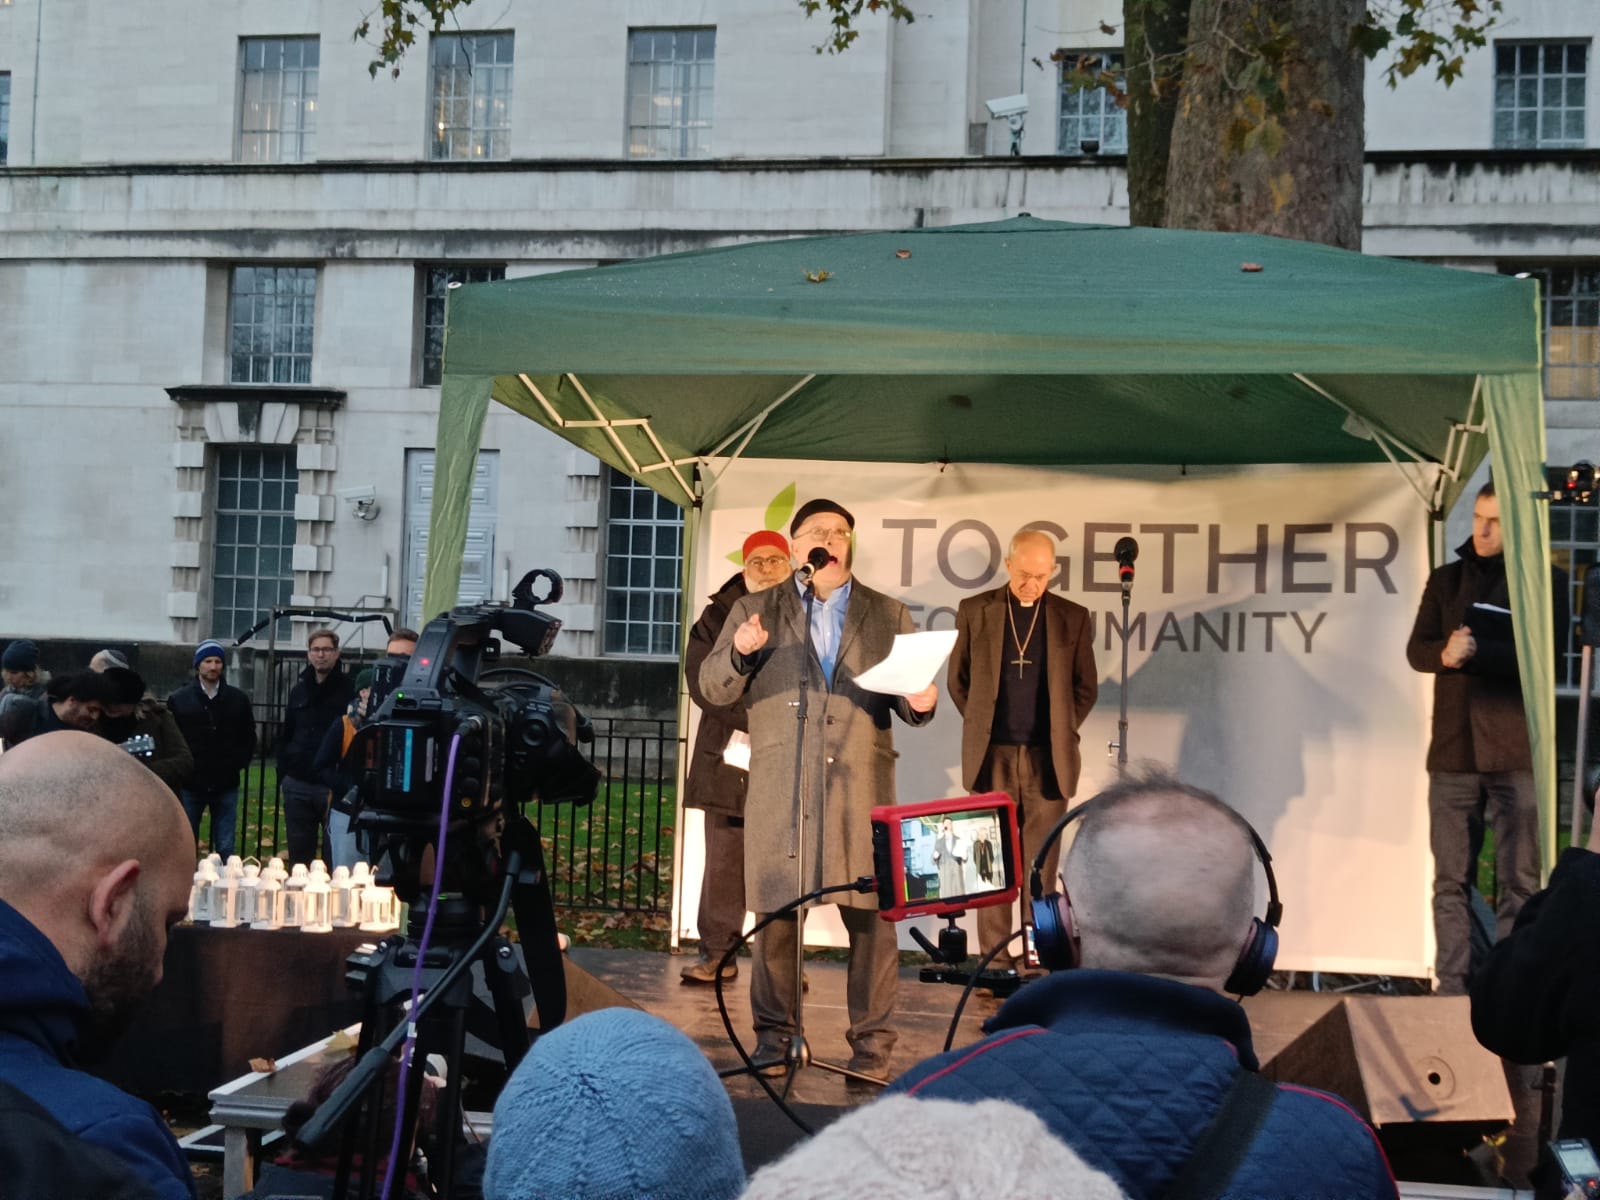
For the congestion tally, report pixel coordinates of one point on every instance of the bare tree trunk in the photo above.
(1286, 164)
(1154, 32)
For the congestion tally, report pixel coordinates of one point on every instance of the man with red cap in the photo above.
(715, 786)
(847, 767)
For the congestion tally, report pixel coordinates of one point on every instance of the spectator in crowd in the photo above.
(69, 702)
(316, 702)
(715, 785)
(343, 846)
(104, 660)
(904, 1149)
(132, 712)
(19, 670)
(1537, 997)
(1136, 1058)
(306, 1172)
(402, 643)
(96, 861)
(219, 724)
(615, 1103)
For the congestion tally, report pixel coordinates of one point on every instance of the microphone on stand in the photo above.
(819, 558)
(1126, 550)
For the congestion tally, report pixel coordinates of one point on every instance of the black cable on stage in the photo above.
(865, 884)
(972, 982)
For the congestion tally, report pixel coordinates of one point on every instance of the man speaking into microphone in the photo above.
(1022, 675)
(846, 767)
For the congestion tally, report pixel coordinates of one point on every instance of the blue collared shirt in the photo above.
(827, 625)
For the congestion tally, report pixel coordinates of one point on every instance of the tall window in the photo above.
(1539, 94)
(1091, 122)
(1571, 298)
(1571, 331)
(278, 99)
(471, 95)
(270, 322)
(5, 113)
(644, 555)
(252, 567)
(671, 73)
(435, 289)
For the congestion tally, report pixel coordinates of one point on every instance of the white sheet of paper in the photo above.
(913, 663)
(737, 752)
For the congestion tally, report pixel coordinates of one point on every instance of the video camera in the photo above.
(451, 741)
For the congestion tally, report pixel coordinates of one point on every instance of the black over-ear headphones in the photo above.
(1055, 934)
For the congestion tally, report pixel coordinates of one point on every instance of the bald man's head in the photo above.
(95, 852)
(1161, 881)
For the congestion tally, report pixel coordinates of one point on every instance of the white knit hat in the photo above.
(902, 1148)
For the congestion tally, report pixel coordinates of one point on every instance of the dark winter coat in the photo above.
(1129, 1070)
(1478, 721)
(39, 1156)
(1537, 997)
(23, 717)
(221, 733)
(852, 754)
(312, 708)
(173, 761)
(43, 1011)
(713, 785)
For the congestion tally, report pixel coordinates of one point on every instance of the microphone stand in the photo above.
(1122, 706)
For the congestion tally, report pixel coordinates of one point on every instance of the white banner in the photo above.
(1266, 655)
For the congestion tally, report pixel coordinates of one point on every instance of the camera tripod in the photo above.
(442, 942)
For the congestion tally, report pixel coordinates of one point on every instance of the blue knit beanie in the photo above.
(209, 649)
(615, 1105)
(20, 655)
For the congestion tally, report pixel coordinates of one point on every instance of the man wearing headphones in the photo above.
(1131, 1051)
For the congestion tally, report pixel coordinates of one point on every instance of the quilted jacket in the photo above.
(1129, 1070)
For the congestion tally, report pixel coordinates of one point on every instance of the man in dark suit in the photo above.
(1023, 677)
(846, 768)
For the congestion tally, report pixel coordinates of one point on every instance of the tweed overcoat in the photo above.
(849, 761)
(1071, 679)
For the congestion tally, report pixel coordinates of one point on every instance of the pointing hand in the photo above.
(750, 636)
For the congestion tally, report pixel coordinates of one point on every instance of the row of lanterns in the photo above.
(246, 895)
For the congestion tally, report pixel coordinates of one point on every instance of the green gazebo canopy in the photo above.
(1020, 341)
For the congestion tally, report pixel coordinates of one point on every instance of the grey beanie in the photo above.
(902, 1148)
(615, 1105)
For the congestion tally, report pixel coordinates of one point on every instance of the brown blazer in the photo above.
(1072, 681)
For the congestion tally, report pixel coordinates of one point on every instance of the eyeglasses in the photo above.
(323, 649)
(837, 535)
(766, 562)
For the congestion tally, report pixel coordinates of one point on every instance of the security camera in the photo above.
(1008, 106)
(363, 501)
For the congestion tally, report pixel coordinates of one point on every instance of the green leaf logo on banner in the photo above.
(780, 510)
